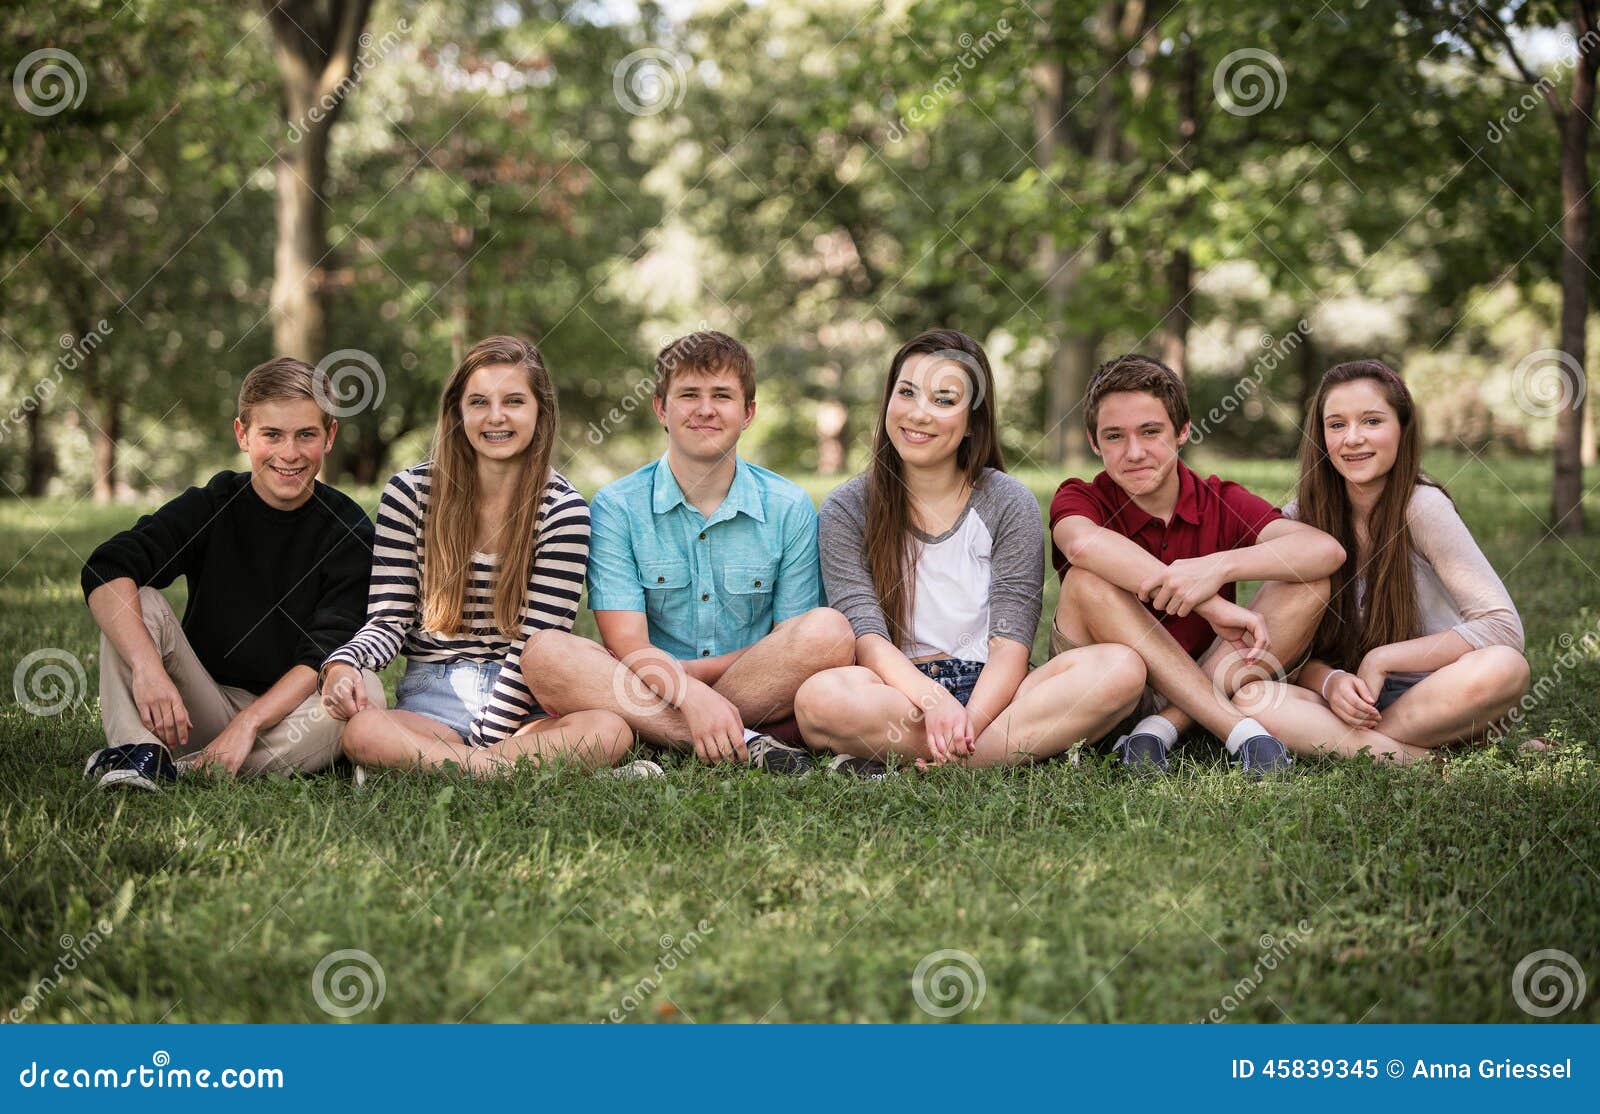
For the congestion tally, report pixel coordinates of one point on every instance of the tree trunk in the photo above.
(1175, 323)
(106, 434)
(317, 43)
(1310, 375)
(1567, 488)
(1180, 264)
(40, 465)
(297, 313)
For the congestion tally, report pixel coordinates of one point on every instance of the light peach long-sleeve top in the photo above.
(1457, 588)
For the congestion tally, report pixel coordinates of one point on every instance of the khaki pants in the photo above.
(305, 740)
(1150, 702)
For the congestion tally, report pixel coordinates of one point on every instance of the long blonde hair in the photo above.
(451, 521)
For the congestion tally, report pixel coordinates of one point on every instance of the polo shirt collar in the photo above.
(1134, 517)
(744, 495)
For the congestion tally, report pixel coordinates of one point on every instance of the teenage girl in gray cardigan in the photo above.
(936, 557)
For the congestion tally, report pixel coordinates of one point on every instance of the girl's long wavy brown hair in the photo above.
(1348, 630)
(451, 522)
(890, 542)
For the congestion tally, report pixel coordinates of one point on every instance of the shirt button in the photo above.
(758, 584)
(661, 580)
(705, 653)
(702, 535)
(704, 596)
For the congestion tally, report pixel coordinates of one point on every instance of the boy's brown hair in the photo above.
(706, 353)
(282, 379)
(1136, 372)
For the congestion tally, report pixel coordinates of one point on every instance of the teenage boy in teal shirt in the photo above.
(704, 580)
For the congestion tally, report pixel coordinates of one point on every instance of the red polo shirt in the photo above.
(1212, 515)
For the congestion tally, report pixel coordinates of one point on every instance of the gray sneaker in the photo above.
(1262, 755)
(641, 769)
(1142, 752)
(778, 757)
(869, 768)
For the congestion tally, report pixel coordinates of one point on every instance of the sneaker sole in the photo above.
(127, 779)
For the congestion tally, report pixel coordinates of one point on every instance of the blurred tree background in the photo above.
(1252, 190)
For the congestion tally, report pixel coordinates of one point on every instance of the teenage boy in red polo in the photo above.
(1149, 553)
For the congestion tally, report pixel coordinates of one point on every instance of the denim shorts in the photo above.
(958, 677)
(1394, 688)
(450, 692)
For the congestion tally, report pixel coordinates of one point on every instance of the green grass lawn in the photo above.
(1343, 893)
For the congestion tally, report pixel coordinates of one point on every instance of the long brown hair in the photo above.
(890, 542)
(451, 520)
(1348, 630)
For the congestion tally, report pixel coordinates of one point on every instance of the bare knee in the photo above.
(1119, 673)
(1082, 586)
(363, 736)
(825, 638)
(606, 734)
(822, 696)
(1499, 674)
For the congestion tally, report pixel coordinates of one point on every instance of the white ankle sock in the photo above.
(1159, 726)
(749, 734)
(1242, 732)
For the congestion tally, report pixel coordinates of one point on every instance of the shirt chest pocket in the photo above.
(747, 592)
(666, 595)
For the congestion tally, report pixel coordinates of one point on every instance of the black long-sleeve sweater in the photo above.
(268, 589)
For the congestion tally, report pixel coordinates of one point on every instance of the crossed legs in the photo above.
(1461, 701)
(1074, 697)
(568, 672)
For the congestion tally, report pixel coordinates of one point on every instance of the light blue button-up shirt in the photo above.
(707, 586)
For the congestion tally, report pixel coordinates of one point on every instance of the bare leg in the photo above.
(412, 741)
(1093, 610)
(1306, 725)
(1074, 697)
(1460, 701)
(851, 711)
(568, 674)
(763, 682)
(1292, 612)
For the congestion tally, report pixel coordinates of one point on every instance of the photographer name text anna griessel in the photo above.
(1324, 1068)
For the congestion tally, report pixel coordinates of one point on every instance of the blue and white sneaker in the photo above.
(1262, 755)
(869, 768)
(1142, 753)
(146, 766)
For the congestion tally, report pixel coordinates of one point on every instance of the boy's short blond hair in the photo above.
(282, 379)
(707, 352)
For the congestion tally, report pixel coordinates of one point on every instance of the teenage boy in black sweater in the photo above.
(277, 566)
